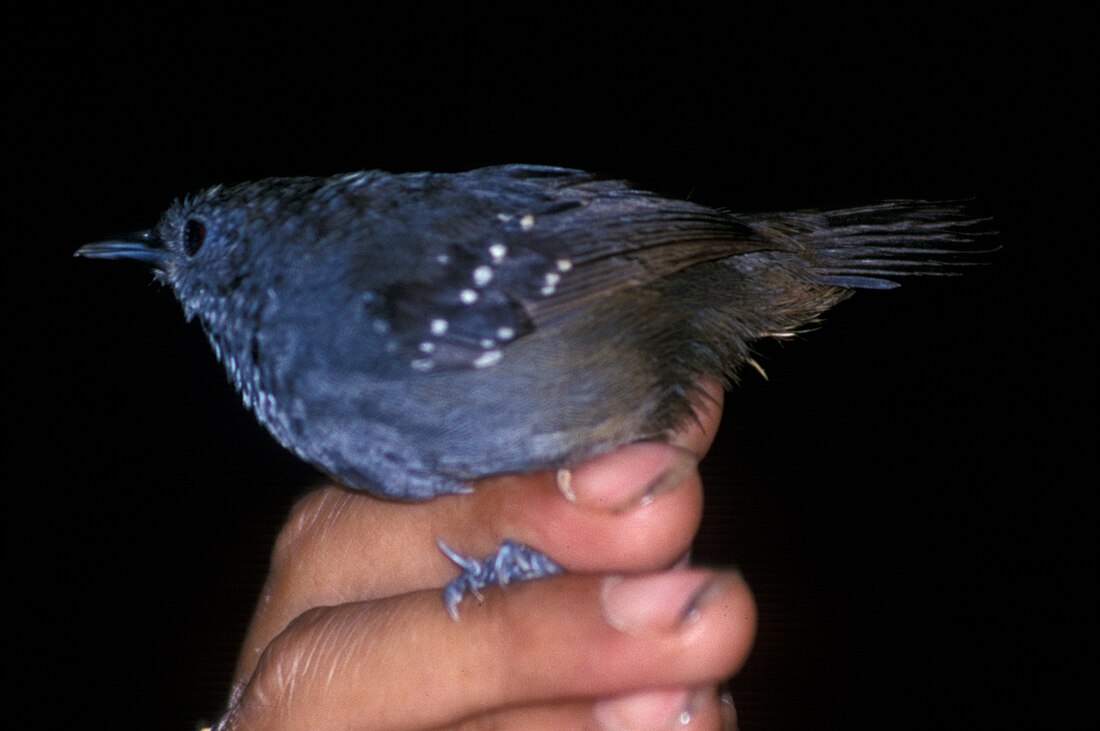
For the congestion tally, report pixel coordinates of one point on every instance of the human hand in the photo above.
(351, 633)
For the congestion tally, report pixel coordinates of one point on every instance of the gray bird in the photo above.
(409, 333)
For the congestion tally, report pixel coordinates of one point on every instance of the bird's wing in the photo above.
(507, 250)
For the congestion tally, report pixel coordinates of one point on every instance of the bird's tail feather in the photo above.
(866, 247)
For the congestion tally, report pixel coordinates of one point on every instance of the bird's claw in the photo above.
(512, 562)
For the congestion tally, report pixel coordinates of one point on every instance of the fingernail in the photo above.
(654, 709)
(727, 711)
(565, 484)
(612, 483)
(657, 602)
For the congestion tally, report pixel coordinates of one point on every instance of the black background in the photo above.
(869, 491)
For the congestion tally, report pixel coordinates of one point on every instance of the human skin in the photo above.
(351, 633)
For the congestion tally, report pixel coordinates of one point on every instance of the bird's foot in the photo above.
(512, 562)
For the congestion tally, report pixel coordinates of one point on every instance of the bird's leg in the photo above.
(512, 562)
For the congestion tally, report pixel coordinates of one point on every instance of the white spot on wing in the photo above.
(551, 283)
(483, 275)
(487, 359)
(468, 296)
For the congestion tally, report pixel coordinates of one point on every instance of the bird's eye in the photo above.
(194, 234)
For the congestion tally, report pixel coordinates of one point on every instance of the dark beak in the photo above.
(143, 246)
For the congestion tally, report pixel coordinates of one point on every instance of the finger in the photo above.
(635, 509)
(571, 638)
